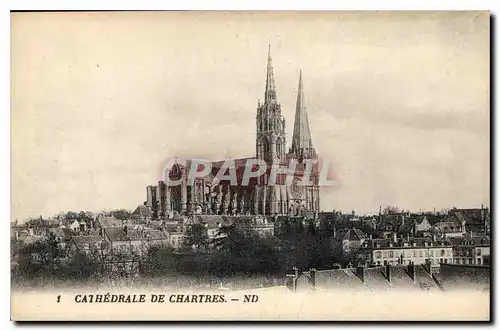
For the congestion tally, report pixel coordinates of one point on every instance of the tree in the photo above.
(196, 237)
(120, 214)
(391, 210)
(44, 257)
(159, 259)
(240, 249)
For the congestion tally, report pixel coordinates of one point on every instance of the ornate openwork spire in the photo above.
(270, 96)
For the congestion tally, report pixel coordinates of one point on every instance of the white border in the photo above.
(181, 5)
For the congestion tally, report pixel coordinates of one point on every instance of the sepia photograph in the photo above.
(250, 166)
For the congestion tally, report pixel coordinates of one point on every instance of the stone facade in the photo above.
(260, 196)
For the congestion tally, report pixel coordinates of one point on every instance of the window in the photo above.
(479, 261)
(391, 254)
(478, 252)
(385, 254)
(420, 253)
(431, 253)
(442, 252)
(414, 253)
(445, 260)
(378, 255)
(470, 261)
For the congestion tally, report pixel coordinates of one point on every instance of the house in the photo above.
(108, 222)
(262, 226)
(175, 233)
(122, 240)
(449, 229)
(141, 213)
(422, 226)
(471, 250)
(258, 223)
(212, 223)
(404, 251)
(476, 220)
(352, 239)
(62, 235)
(387, 224)
(78, 226)
(152, 237)
(87, 244)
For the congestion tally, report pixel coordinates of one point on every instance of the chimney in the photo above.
(388, 273)
(295, 277)
(360, 272)
(411, 271)
(429, 268)
(312, 276)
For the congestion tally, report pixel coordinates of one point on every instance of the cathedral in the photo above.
(260, 196)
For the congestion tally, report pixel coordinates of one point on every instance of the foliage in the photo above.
(159, 260)
(121, 214)
(42, 257)
(196, 238)
(391, 210)
(237, 249)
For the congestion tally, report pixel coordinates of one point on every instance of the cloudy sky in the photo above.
(398, 102)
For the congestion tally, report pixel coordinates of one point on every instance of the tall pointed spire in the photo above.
(270, 96)
(301, 140)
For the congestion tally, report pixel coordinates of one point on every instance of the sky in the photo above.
(397, 102)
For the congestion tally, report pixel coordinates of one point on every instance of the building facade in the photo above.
(262, 195)
(399, 251)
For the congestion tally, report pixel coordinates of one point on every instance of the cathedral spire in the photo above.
(301, 140)
(270, 96)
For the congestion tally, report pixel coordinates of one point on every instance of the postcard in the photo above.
(250, 166)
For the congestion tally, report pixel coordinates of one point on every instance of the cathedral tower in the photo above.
(303, 199)
(302, 147)
(270, 140)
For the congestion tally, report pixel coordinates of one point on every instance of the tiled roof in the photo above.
(338, 278)
(109, 222)
(86, 242)
(355, 235)
(63, 233)
(141, 211)
(458, 277)
(481, 240)
(401, 279)
(447, 226)
(375, 279)
(154, 235)
(213, 221)
(119, 234)
(171, 227)
(134, 234)
(474, 216)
